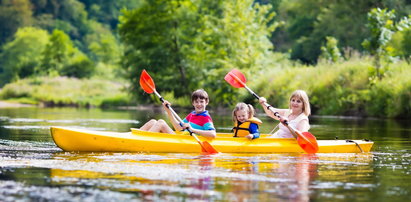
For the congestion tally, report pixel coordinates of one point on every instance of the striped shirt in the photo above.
(200, 121)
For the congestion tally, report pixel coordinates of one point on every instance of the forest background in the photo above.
(352, 57)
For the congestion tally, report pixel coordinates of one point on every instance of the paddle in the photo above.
(147, 84)
(306, 140)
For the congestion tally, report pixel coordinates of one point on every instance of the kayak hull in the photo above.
(71, 139)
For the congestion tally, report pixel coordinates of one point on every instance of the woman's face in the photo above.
(241, 115)
(296, 104)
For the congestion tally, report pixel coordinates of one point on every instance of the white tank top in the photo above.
(284, 132)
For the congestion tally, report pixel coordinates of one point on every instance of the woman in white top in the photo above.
(296, 115)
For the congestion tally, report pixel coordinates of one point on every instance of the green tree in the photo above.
(308, 22)
(107, 11)
(13, 14)
(79, 66)
(20, 57)
(188, 44)
(61, 57)
(330, 51)
(56, 54)
(154, 34)
(217, 50)
(400, 45)
(381, 25)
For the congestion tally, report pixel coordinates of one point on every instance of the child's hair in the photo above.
(199, 94)
(302, 95)
(243, 106)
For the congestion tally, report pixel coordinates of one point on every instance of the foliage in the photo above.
(308, 22)
(60, 57)
(330, 51)
(391, 96)
(107, 11)
(343, 89)
(66, 91)
(400, 45)
(184, 42)
(381, 25)
(13, 14)
(21, 56)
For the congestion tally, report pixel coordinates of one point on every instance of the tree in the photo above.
(61, 57)
(308, 22)
(381, 25)
(20, 57)
(401, 40)
(13, 14)
(217, 50)
(191, 44)
(330, 51)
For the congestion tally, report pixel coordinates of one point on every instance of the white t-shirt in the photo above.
(283, 131)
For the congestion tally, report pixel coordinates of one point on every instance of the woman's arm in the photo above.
(269, 112)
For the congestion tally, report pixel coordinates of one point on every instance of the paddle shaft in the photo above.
(176, 116)
(269, 107)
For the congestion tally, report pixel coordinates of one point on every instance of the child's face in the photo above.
(200, 105)
(241, 115)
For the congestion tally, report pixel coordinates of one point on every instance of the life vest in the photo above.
(243, 129)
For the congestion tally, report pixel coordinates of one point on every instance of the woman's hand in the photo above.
(262, 100)
(283, 119)
(165, 104)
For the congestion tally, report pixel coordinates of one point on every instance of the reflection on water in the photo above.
(33, 168)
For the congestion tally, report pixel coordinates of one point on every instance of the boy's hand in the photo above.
(186, 126)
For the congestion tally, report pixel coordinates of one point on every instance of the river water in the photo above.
(33, 168)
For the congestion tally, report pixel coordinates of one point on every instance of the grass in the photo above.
(64, 91)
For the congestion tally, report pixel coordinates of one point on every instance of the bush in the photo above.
(341, 89)
(63, 91)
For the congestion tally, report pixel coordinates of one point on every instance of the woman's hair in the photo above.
(302, 95)
(243, 106)
(199, 94)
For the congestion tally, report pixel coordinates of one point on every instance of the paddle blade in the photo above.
(235, 78)
(209, 148)
(146, 82)
(308, 142)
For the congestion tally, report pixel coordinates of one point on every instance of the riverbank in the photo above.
(4, 104)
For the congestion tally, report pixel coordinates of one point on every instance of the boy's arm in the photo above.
(173, 120)
(208, 129)
(205, 133)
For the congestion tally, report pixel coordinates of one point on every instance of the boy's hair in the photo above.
(199, 94)
(243, 106)
(302, 95)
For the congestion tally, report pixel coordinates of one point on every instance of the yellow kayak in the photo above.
(73, 139)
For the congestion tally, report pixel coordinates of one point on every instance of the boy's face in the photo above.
(200, 105)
